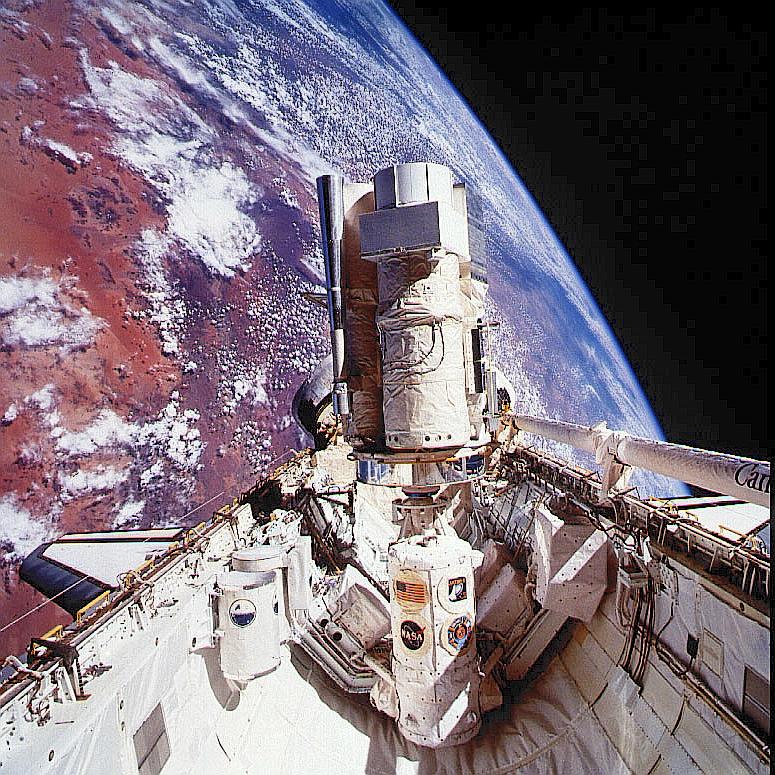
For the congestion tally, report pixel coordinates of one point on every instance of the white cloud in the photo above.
(204, 213)
(85, 481)
(118, 22)
(44, 399)
(18, 292)
(170, 145)
(57, 150)
(62, 151)
(172, 434)
(167, 309)
(107, 430)
(35, 312)
(19, 527)
(129, 512)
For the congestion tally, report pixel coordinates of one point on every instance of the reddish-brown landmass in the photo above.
(73, 214)
(80, 222)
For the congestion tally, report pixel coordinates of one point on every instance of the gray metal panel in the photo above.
(440, 184)
(478, 250)
(151, 745)
(757, 688)
(401, 227)
(157, 758)
(460, 198)
(416, 227)
(385, 188)
(411, 183)
(477, 238)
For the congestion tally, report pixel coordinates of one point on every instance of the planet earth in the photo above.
(158, 231)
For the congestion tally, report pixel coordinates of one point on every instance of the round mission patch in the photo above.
(458, 634)
(242, 613)
(414, 636)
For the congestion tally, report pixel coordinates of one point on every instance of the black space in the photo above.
(642, 138)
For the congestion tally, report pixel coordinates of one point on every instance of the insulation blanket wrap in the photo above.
(363, 363)
(366, 404)
(435, 661)
(361, 342)
(423, 371)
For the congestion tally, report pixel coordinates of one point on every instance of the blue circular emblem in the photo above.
(242, 613)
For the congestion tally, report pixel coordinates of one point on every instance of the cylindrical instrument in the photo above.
(267, 558)
(331, 205)
(249, 643)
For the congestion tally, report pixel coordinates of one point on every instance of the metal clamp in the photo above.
(615, 474)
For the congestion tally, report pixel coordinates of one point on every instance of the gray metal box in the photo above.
(425, 226)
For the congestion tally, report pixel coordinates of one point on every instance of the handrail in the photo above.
(101, 599)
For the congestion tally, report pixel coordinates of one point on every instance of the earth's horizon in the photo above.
(160, 228)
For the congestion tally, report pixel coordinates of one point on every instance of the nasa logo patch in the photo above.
(459, 634)
(242, 613)
(412, 635)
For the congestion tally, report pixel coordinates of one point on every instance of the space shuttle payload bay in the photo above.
(424, 590)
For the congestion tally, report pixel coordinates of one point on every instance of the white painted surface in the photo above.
(103, 560)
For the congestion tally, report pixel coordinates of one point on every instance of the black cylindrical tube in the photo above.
(331, 204)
